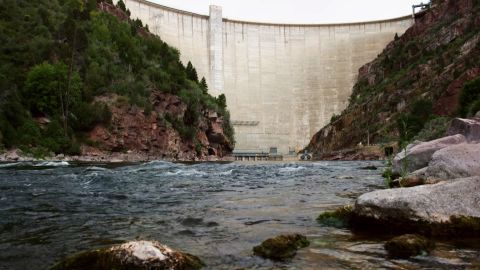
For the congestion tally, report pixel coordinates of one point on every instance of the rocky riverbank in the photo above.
(136, 135)
(443, 193)
(17, 155)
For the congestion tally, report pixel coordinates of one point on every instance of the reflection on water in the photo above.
(216, 211)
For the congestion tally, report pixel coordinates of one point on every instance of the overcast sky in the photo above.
(300, 11)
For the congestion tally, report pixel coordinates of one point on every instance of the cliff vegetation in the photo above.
(69, 68)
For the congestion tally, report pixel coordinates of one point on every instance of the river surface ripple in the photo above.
(217, 211)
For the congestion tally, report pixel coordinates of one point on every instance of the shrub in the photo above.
(49, 91)
(469, 101)
(433, 129)
(87, 116)
(29, 133)
(55, 139)
(409, 125)
(334, 118)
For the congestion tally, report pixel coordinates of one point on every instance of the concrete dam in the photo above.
(283, 82)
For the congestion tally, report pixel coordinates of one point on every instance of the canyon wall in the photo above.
(283, 82)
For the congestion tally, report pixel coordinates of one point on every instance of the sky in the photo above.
(300, 11)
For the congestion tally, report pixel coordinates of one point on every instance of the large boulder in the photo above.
(281, 247)
(449, 207)
(132, 256)
(455, 161)
(470, 128)
(418, 155)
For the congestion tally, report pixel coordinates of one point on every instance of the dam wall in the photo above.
(283, 82)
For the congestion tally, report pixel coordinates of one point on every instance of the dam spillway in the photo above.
(283, 82)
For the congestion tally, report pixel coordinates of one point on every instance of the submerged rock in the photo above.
(446, 208)
(369, 167)
(408, 245)
(339, 218)
(281, 247)
(132, 256)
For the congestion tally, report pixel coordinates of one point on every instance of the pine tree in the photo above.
(191, 72)
(121, 5)
(203, 84)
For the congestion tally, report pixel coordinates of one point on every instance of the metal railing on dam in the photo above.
(288, 79)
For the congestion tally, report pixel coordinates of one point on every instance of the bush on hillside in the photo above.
(410, 124)
(469, 102)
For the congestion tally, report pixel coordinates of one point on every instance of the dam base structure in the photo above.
(283, 82)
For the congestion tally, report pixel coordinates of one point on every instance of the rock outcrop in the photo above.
(456, 161)
(470, 128)
(450, 207)
(454, 156)
(135, 255)
(153, 134)
(281, 247)
(419, 154)
(431, 61)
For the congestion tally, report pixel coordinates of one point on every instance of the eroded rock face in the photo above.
(151, 134)
(419, 154)
(470, 128)
(449, 207)
(455, 161)
(408, 245)
(132, 256)
(281, 247)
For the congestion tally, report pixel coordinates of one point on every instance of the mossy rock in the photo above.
(281, 247)
(339, 218)
(459, 225)
(408, 245)
(136, 255)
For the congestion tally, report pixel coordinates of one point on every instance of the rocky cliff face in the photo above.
(154, 135)
(431, 62)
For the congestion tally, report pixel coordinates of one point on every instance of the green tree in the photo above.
(49, 90)
(121, 5)
(191, 72)
(203, 84)
(222, 101)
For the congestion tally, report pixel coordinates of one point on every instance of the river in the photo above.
(218, 212)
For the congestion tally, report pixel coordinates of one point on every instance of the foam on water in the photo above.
(52, 164)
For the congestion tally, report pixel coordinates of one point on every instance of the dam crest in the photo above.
(283, 82)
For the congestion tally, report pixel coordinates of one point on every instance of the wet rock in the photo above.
(455, 161)
(13, 155)
(370, 167)
(281, 247)
(409, 181)
(408, 245)
(446, 208)
(470, 128)
(418, 155)
(339, 218)
(132, 256)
